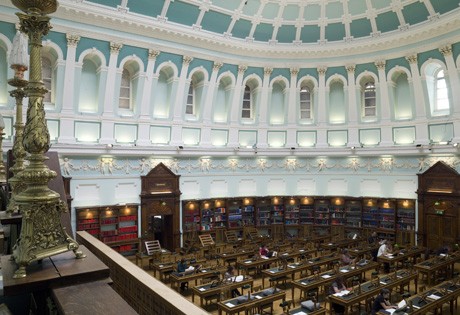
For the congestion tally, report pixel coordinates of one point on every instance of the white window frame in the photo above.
(122, 105)
(441, 92)
(246, 107)
(369, 100)
(48, 81)
(190, 102)
(305, 104)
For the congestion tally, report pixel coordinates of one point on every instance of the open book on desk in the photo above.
(402, 306)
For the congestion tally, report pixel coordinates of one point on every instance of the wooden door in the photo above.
(441, 230)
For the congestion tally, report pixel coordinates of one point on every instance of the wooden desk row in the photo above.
(371, 288)
(177, 279)
(432, 266)
(217, 289)
(326, 278)
(251, 301)
(432, 299)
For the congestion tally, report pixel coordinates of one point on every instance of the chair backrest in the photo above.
(152, 247)
(231, 236)
(206, 240)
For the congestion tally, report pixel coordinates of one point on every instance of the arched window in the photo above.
(305, 102)
(368, 100)
(246, 111)
(190, 106)
(47, 77)
(441, 97)
(125, 99)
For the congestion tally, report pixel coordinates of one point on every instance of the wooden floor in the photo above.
(212, 308)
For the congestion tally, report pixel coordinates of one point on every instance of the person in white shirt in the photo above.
(385, 249)
(382, 249)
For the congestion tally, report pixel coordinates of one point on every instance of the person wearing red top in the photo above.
(264, 252)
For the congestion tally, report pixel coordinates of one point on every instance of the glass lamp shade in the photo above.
(19, 55)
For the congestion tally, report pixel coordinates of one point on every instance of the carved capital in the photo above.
(242, 69)
(115, 47)
(294, 71)
(153, 53)
(446, 50)
(268, 71)
(412, 59)
(187, 60)
(72, 40)
(321, 70)
(217, 65)
(350, 68)
(380, 64)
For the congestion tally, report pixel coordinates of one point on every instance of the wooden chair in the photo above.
(153, 249)
(208, 245)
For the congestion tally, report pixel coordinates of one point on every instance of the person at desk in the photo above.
(183, 268)
(382, 302)
(385, 249)
(264, 252)
(336, 287)
(230, 276)
(346, 258)
(373, 240)
(443, 251)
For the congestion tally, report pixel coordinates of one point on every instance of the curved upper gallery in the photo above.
(317, 93)
(301, 30)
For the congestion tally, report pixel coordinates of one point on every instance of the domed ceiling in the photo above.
(293, 21)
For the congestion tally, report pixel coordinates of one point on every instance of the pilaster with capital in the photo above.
(180, 97)
(213, 86)
(293, 108)
(354, 102)
(145, 113)
(67, 133)
(265, 97)
(111, 79)
(386, 132)
(235, 111)
(420, 105)
(321, 110)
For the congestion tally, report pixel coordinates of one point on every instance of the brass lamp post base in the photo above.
(42, 234)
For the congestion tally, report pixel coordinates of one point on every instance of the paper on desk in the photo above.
(229, 304)
(301, 313)
(202, 289)
(248, 262)
(272, 271)
(264, 257)
(325, 276)
(342, 293)
(291, 266)
(160, 266)
(433, 296)
(390, 310)
(257, 296)
(344, 270)
(390, 256)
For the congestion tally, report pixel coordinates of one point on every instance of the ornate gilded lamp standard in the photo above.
(42, 234)
(19, 61)
(2, 166)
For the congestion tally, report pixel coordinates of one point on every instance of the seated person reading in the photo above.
(229, 276)
(182, 267)
(336, 287)
(346, 258)
(382, 302)
(264, 252)
(385, 249)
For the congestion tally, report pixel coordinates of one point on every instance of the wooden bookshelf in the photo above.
(115, 225)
